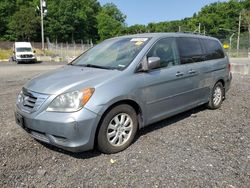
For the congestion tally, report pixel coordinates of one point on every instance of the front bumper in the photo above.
(74, 132)
(33, 59)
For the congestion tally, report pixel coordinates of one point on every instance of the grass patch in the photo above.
(45, 52)
(5, 54)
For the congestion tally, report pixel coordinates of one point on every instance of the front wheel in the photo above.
(216, 97)
(117, 129)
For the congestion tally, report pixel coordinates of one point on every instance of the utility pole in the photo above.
(248, 38)
(238, 40)
(43, 12)
(248, 55)
(179, 28)
(199, 27)
(42, 31)
(230, 41)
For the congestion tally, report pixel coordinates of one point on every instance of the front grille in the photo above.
(31, 101)
(26, 56)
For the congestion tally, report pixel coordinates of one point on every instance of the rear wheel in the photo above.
(117, 129)
(217, 96)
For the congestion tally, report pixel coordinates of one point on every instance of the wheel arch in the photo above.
(220, 80)
(129, 102)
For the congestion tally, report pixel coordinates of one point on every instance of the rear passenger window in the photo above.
(213, 49)
(190, 50)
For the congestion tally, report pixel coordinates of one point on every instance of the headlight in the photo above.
(18, 56)
(20, 98)
(71, 102)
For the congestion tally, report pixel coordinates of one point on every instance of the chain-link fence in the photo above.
(244, 45)
(66, 51)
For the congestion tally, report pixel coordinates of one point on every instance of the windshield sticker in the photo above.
(139, 43)
(139, 39)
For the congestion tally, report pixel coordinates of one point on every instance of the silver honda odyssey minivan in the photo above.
(121, 85)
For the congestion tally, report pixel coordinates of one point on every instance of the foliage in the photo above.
(85, 20)
(111, 21)
(246, 18)
(24, 24)
(66, 21)
(216, 19)
(219, 19)
(72, 20)
(6, 9)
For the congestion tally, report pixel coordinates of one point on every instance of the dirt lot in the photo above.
(199, 148)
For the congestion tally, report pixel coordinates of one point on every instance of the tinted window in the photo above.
(190, 50)
(166, 50)
(213, 49)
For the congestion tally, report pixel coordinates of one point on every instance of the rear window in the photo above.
(190, 50)
(213, 49)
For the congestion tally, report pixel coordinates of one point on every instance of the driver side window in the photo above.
(166, 50)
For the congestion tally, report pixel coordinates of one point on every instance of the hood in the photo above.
(69, 78)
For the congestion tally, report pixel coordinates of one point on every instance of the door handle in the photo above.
(191, 71)
(178, 74)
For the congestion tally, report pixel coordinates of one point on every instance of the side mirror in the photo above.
(154, 62)
(149, 63)
(34, 51)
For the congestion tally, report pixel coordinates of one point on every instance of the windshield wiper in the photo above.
(96, 66)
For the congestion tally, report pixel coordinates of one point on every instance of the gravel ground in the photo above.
(198, 148)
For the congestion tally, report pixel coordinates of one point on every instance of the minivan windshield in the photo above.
(115, 53)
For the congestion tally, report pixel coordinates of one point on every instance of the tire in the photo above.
(216, 97)
(118, 129)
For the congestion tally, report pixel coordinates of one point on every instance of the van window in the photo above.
(166, 50)
(213, 49)
(190, 50)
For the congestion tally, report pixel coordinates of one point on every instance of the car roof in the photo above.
(178, 34)
(22, 44)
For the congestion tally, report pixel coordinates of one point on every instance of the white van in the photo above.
(23, 52)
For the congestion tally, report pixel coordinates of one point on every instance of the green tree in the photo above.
(23, 24)
(72, 20)
(246, 4)
(110, 21)
(7, 7)
(219, 18)
(134, 29)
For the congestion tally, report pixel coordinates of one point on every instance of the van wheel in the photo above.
(117, 129)
(216, 97)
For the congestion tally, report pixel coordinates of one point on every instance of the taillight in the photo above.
(229, 67)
